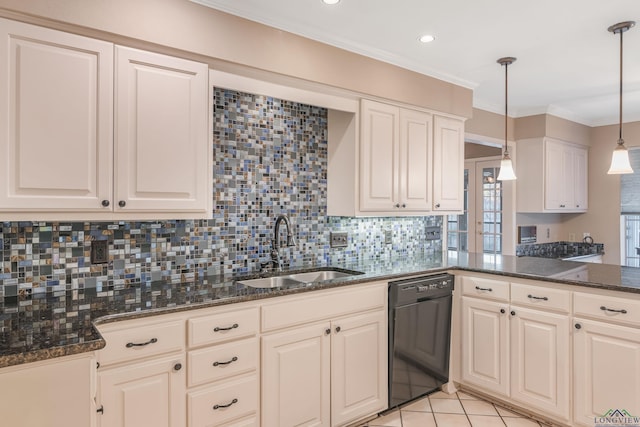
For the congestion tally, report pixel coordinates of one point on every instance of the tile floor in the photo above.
(452, 410)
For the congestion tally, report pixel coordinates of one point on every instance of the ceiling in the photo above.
(567, 62)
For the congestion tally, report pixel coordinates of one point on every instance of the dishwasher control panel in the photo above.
(420, 288)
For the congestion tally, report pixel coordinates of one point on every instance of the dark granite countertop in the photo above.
(42, 326)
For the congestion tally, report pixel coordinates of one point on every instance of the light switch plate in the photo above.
(388, 237)
(338, 240)
(433, 233)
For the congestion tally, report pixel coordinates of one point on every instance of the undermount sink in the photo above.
(297, 279)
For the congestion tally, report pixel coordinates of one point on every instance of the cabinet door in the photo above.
(161, 142)
(379, 157)
(416, 149)
(296, 377)
(358, 367)
(606, 370)
(148, 393)
(448, 164)
(540, 360)
(581, 179)
(485, 345)
(558, 168)
(56, 117)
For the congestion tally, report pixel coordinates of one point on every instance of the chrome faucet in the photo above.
(275, 243)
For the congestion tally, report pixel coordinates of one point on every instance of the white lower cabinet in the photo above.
(328, 373)
(50, 393)
(606, 348)
(515, 352)
(147, 393)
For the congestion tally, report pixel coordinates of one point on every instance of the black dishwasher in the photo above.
(419, 335)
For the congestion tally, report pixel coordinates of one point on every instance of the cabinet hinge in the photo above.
(100, 410)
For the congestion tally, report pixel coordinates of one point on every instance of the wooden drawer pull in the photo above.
(484, 289)
(142, 344)
(603, 308)
(215, 407)
(542, 298)
(218, 329)
(234, 359)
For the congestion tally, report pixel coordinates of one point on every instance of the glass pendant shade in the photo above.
(620, 161)
(506, 169)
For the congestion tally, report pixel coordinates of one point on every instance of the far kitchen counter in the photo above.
(43, 326)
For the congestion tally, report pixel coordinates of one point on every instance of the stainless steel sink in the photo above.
(271, 282)
(319, 276)
(296, 279)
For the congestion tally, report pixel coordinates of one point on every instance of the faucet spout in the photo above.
(275, 242)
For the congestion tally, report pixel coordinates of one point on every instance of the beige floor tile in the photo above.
(390, 420)
(421, 405)
(465, 396)
(478, 407)
(520, 422)
(418, 419)
(442, 395)
(452, 420)
(507, 413)
(447, 406)
(485, 421)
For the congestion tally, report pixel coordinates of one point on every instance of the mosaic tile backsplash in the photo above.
(270, 158)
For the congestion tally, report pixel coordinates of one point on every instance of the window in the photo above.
(630, 212)
(458, 225)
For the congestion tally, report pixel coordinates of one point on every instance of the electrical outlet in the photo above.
(99, 252)
(388, 237)
(338, 240)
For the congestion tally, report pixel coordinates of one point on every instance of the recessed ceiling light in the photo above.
(427, 38)
(330, 1)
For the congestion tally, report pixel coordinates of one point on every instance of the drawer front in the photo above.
(603, 307)
(541, 297)
(485, 288)
(134, 341)
(224, 402)
(321, 306)
(222, 327)
(222, 361)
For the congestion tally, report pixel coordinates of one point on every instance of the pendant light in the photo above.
(620, 157)
(506, 165)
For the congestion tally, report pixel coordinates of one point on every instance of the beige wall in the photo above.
(227, 42)
(489, 124)
(530, 127)
(475, 151)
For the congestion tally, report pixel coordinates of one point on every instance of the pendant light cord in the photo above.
(506, 105)
(620, 140)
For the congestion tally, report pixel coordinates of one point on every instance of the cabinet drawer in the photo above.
(221, 327)
(134, 340)
(485, 288)
(609, 308)
(224, 402)
(322, 306)
(541, 297)
(222, 361)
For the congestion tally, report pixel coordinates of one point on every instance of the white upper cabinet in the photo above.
(161, 132)
(70, 151)
(552, 176)
(56, 119)
(448, 164)
(403, 158)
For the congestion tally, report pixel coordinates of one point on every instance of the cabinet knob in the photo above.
(397, 205)
(562, 206)
(177, 366)
(338, 329)
(437, 205)
(503, 311)
(122, 203)
(513, 313)
(578, 326)
(105, 203)
(404, 205)
(327, 331)
(577, 206)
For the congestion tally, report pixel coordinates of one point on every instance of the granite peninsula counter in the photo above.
(43, 326)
